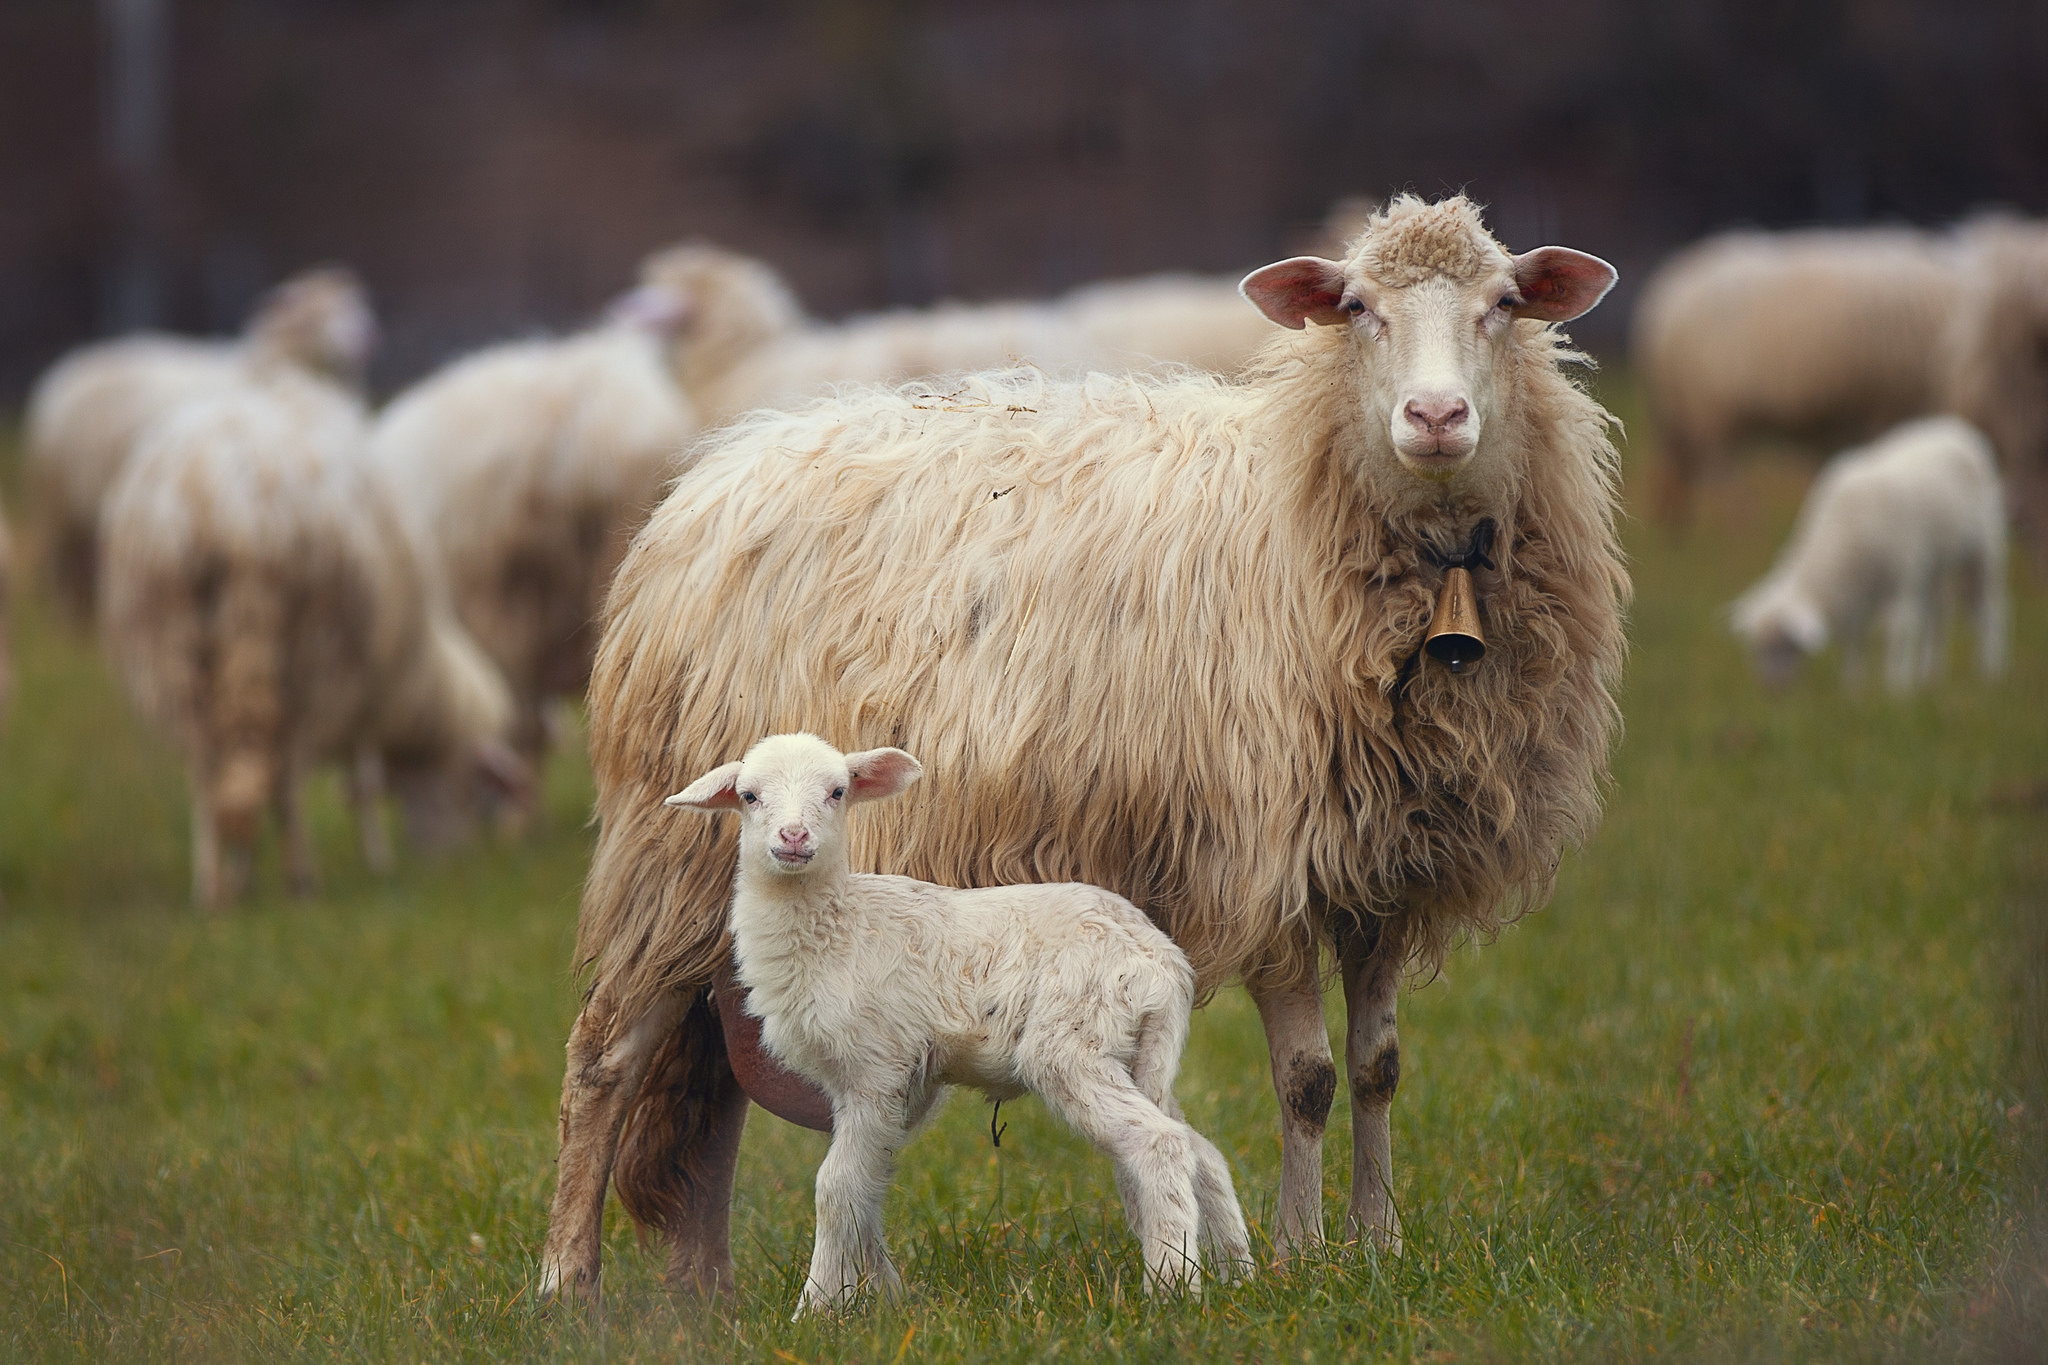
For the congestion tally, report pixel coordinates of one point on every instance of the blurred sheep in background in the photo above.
(262, 604)
(87, 412)
(522, 472)
(1899, 531)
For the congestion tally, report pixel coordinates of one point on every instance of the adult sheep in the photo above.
(1996, 358)
(88, 410)
(743, 341)
(1158, 633)
(1822, 336)
(263, 606)
(524, 470)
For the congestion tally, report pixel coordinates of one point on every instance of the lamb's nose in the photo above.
(1437, 414)
(793, 836)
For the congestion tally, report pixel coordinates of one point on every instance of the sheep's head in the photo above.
(714, 307)
(1429, 303)
(319, 319)
(1781, 629)
(791, 792)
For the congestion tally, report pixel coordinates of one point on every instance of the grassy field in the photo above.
(1745, 1089)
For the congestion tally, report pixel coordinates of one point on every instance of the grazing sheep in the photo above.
(88, 410)
(1820, 336)
(1158, 633)
(1997, 357)
(1897, 530)
(883, 991)
(523, 471)
(743, 341)
(262, 604)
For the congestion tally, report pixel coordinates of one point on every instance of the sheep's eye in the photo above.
(838, 792)
(1508, 302)
(750, 798)
(1354, 306)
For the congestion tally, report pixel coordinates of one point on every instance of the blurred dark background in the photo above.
(494, 166)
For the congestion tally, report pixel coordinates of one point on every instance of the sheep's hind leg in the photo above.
(605, 1067)
(1304, 1077)
(1370, 956)
(366, 794)
(848, 1253)
(206, 852)
(1156, 1164)
(681, 1150)
(299, 872)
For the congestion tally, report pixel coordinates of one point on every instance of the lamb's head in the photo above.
(791, 792)
(714, 307)
(1429, 303)
(1781, 628)
(319, 319)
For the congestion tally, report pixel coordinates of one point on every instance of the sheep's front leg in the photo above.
(848, 1252)
(1298, 1042)
(606, 1064)
(300, 873)
(1370, 956)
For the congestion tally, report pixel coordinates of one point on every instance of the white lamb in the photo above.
(1898, 529)
(883, 990)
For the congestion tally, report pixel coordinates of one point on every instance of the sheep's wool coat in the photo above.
(1156, 633)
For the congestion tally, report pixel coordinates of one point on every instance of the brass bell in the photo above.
(1454, 635)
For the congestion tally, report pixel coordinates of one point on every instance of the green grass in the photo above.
(1745, 1089)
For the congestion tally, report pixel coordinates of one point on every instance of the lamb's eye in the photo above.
(1354, 306)
(1508, 302)
(838, 792)
(750, 798)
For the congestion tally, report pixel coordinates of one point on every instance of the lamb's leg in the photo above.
(1298, 1042)
(366, 793)
(1904, 623)
(1988, 612)
(848, 1252)
(1223, 1232)
(606, 1063)
(206, 868)
(1370, 956)
(1155, 1157)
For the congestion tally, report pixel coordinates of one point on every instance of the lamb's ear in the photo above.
(1298, 291)
(1558, 284)
(716, 790)
(880, 773)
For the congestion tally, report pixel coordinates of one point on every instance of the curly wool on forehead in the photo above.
(1409, 241)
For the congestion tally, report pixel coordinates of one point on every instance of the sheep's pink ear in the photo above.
(716, 790)
(1558, 284)
(880, 773)
(1297, 291)
(651, 307)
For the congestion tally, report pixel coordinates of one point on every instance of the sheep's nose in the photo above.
(1437, 414)
(793, 836)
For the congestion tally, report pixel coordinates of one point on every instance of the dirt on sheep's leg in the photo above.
(681, 1151)
(1298, 1042)
(1370, 957)
(366, 794)
(606, 1064)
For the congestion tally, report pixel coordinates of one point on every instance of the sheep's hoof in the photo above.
(559, 1291)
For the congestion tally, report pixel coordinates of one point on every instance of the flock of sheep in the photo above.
(1143, 574)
